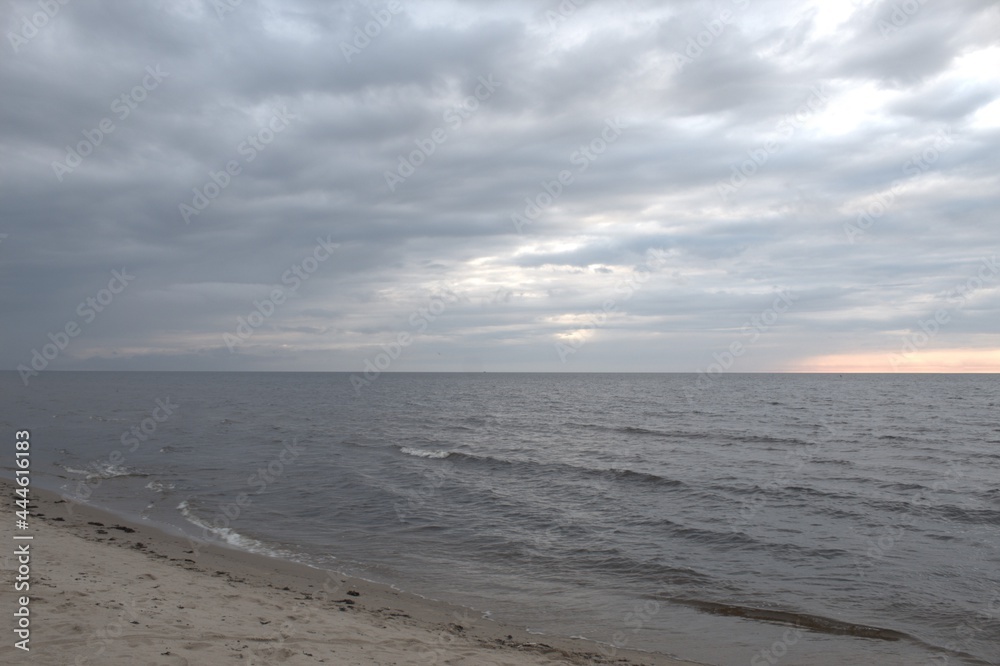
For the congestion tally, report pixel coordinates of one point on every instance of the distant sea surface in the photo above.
(750, 519)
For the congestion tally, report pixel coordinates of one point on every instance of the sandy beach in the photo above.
(109, 591)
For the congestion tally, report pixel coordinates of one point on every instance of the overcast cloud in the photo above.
(524, 186)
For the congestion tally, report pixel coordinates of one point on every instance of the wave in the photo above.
(816, 623)
(443, 454)
(643, 431)
(891, 503)
(717, 437)
(210, 532)
(736, 539)
(634, 430)
(107, 419)
(609, 473)
(641, 572)
(903, 486)
(105, 471)
(968, 515)
(633, 475)
(992, 495)
(923, 502)
(421, 453)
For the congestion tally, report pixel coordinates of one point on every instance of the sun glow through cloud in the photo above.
(923, 361)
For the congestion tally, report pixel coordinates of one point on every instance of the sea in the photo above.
(734, 519)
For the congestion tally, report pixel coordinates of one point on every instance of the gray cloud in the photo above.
(739, 109)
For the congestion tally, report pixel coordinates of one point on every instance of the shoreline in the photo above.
(105, 589)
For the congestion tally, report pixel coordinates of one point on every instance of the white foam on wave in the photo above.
(159, 487)
(105, 470)
(421, 453)
(228, 536)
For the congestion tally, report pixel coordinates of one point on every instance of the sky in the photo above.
(713, 186)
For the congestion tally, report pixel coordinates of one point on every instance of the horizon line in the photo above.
(546, 372)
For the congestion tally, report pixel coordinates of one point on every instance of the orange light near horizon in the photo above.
(928, 360)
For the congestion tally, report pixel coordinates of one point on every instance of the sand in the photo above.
(104, 590)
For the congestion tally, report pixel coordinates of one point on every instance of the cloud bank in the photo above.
(737, 185)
